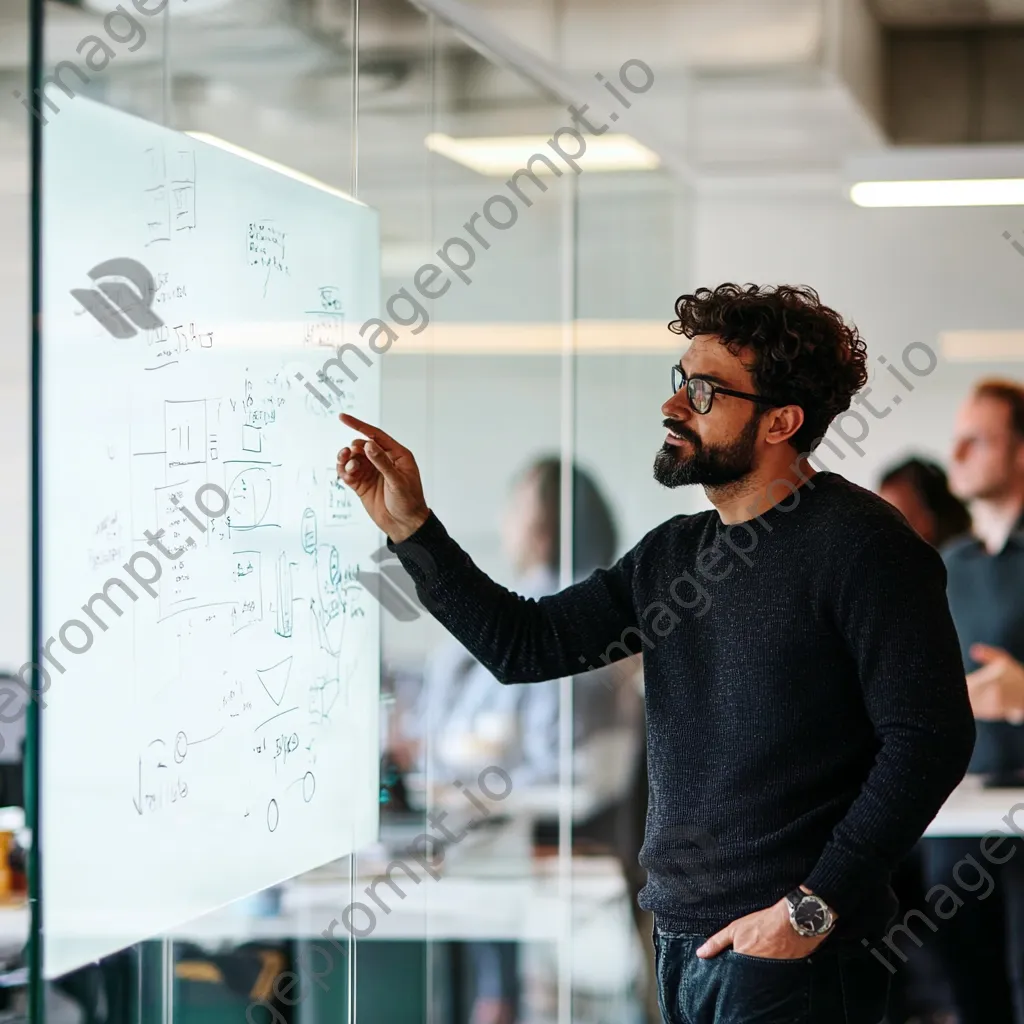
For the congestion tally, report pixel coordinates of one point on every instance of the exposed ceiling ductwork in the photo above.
(779, 85)
(950, 13)
(955, 86)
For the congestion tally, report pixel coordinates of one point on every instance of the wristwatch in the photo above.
(808, 914)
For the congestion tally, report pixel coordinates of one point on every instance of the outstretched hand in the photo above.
(385, 478)
(997, 688)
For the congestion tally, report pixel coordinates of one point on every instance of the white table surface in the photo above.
(485, 896)
(972, 810)
(478, 897)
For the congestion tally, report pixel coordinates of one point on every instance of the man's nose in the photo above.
(677, 407)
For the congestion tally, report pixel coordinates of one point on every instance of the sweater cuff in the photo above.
(420, 552)
(843, 881)
(430, 527)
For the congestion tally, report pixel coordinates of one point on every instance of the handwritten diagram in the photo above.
(265, 249)
(218, 717)
(170, 192)
(269, 584)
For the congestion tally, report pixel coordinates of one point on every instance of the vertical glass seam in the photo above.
(567, 247)
(354, 106)
(353, 858)
(36, 995)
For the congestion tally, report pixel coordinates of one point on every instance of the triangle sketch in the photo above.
(275, 679)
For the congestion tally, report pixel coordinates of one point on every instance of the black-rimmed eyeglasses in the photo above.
(701, 392)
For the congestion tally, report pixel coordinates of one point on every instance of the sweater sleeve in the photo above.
(521, 639)
(895, 617)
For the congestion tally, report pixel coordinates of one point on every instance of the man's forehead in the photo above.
(706, 354)
(984, 411)
(705, 347)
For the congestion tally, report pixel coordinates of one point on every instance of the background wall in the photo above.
(14, 391)
(900, 275)
(641, 240)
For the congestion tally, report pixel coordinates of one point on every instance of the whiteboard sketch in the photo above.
(217, 733)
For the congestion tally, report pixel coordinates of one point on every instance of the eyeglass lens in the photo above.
(699, 391)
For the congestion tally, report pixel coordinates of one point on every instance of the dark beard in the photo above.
(711, 467)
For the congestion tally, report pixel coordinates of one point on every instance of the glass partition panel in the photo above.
(15, 465)
(628, 275)
(477, 395)
(268, 87)
(500, 884)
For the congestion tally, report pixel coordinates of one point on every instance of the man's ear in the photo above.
(783, 423)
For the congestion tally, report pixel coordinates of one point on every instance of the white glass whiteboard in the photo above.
(213, 732)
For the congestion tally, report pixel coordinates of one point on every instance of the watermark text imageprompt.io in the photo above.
(121, 27)
(359, 918)
(918, 359)
(76, 636)
(970, 877)
(459, 252)
(695, 865)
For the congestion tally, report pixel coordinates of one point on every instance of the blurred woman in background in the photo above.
(919, 489)
(465, 719)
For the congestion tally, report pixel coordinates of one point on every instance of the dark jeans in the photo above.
(981, 945)
(836, 984)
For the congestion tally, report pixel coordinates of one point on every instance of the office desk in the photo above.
(520, 908)
(480, 896)
(972, 810)
(529, 905)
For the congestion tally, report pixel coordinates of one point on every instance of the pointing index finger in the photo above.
(986, 652)
(386, 442)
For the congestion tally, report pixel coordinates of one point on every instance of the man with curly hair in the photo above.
(806, 704)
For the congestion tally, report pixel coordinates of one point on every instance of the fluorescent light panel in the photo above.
(592, 337)
(502, 156)
(586, 337)
(982, 346)
(950, 192)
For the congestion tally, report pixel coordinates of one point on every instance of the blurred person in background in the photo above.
(464, 720)
(982, 944)
(919, 489)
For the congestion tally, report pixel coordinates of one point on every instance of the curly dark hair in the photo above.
(804, 353)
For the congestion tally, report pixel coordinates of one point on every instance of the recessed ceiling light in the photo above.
(593, 337)
(500, 156)
(178, 10)
(950, 192)
(982, 346)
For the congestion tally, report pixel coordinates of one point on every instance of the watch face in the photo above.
(811, 916)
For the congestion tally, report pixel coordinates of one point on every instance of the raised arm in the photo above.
(518, 639)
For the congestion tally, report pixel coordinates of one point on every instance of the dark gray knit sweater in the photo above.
(806, 706)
